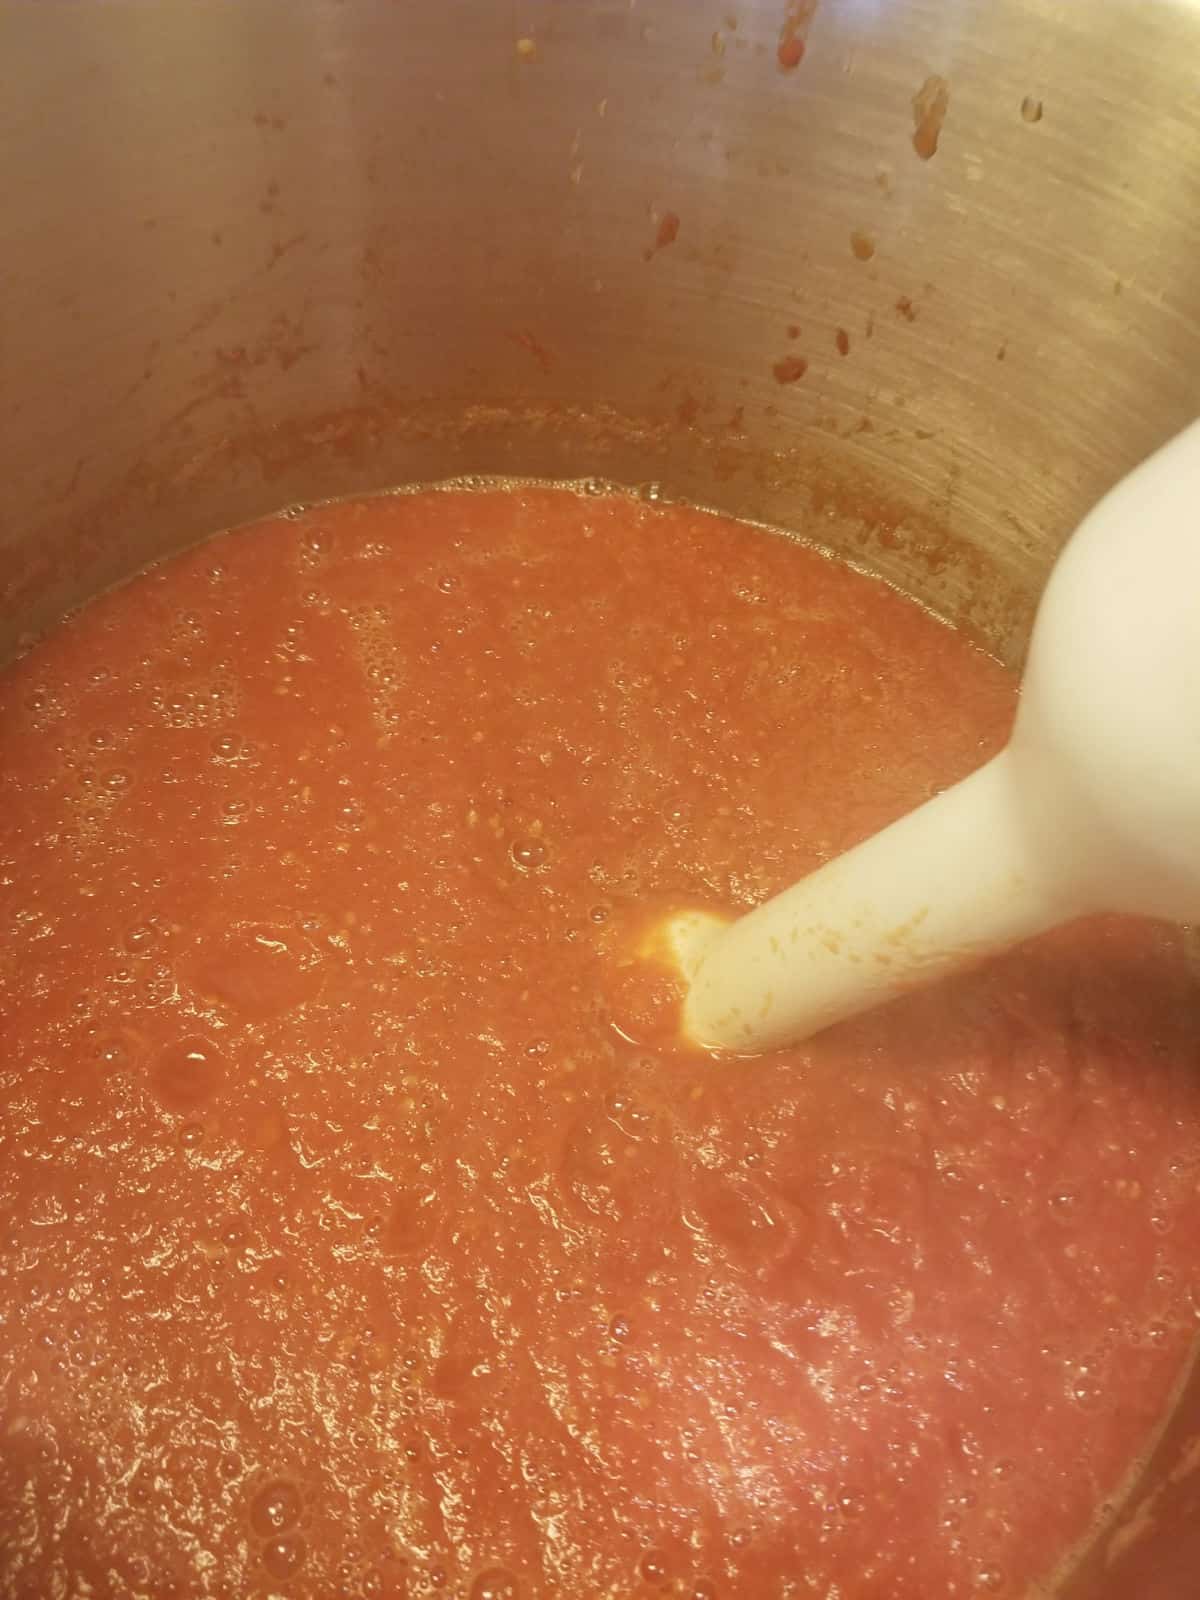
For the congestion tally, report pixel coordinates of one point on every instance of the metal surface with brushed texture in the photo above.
(266, 251)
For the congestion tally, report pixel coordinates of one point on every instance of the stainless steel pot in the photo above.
(918, 278)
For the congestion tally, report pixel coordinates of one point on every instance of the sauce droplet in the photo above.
(790, 370)
(790, 53)
(668, 231)
(929, 107)
(792, 36)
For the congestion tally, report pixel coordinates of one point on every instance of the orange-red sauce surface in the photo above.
(346, 1248)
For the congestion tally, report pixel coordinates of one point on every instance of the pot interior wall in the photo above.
(922, 293)
(257, 252)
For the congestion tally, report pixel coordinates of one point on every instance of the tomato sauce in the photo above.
(347, 1244)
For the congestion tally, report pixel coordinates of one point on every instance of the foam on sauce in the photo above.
(347, 1246)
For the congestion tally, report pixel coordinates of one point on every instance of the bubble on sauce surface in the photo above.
(654, 1568)
(411, 1222)
(527, 853)
(350, 815)
(283, 1558)
(111, 1051)
(497, 1583)
(188, 1073)
(1087, 1392)
(260, 972)
(141, 939)
(316, 541)
(227, 746)
(275, 1509)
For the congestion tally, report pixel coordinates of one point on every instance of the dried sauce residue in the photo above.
(536, 348)
(862, 245)
(668, 232)
(790, 369)
(929, 108)
(842, 341)
(906, 309)
(793, 35)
